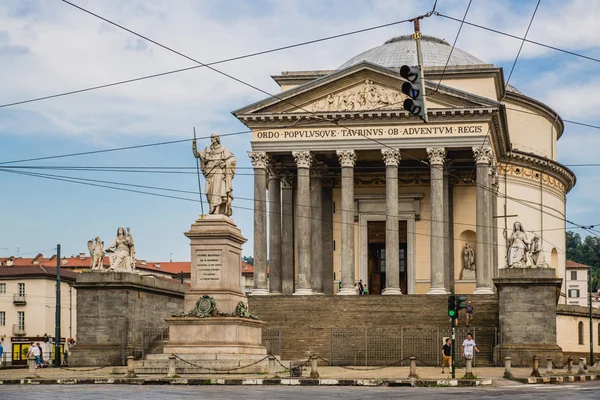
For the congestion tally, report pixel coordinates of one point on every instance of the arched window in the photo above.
(554, 258)
(580, 331)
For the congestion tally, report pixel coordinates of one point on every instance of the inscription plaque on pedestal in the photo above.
(209, 265)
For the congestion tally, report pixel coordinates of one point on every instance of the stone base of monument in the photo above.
(115, 313)
(210, 345)
(527, 314)
(216, 333)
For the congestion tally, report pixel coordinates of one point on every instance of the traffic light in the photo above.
(452, 306)
(414, 104)
(459, 303)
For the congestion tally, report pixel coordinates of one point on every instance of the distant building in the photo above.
(28, 307)
(577, 283)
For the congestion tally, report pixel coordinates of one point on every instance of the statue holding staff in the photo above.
(218, 167)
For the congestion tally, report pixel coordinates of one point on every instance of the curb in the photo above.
(559, 379)
(282, 382)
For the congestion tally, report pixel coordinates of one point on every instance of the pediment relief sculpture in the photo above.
(364, 97)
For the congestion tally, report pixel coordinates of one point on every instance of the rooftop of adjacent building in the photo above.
(574, 265)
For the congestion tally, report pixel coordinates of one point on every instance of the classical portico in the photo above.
(353, 188)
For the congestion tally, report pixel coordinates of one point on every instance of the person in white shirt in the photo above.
(468, 346)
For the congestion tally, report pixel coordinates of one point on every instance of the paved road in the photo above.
(587, 390)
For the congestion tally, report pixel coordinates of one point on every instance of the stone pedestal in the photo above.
(217, 342)
(115, 310)
(527, 314)
(216, 247)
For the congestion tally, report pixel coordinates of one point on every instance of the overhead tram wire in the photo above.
(438, 14)
(243, 82)
(103, 185)
(510, 74)
(85, 153)
(223, 61)
(453, 44)
(195, 200)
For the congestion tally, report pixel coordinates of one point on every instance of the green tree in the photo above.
(248, 260)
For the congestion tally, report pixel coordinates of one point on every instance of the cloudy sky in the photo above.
(49, 47)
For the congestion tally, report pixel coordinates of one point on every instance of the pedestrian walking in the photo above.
(469, 313)
(468, 346)
(447, 355)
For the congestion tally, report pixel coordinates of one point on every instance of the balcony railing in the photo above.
(19, 299)
(19, 330)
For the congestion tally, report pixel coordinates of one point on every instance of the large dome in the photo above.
(402, 50)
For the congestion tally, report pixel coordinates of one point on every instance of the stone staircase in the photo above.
(373, 330)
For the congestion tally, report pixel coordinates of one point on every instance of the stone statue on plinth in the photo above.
(122, 252)
(537, 253)
(218, 167)
(468, 263)
(96, 248)
(518, 248)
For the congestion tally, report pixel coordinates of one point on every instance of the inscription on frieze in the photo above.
(209, 265)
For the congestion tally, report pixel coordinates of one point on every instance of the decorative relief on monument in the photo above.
(437, 155)
(207, 307)
(365, 97)
(528, 173)
(391, 156)
(347, 157)
(209, 265)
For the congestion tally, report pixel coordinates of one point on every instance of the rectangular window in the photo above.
(2, 318)
(21, 319)
(574, 293)
(21, 289)
(573, 275)
(2, 288)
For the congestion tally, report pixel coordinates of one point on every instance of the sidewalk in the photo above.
(428, 376)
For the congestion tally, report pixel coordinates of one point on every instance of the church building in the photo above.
(349, 187)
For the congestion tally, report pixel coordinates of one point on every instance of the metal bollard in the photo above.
(549, 366)
(508, 368)
(130, 368)
(31, 363)
(413, 368)
(581, 370)
(172, 372)
(536, 367)
(272, 365)
(570, 365)
(469, 368)
(313, 367)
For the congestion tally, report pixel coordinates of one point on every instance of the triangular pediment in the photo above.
(363, 87)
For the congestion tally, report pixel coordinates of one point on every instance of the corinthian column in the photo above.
(303, 221)
(391, 157)
(483, 248)
(287, 233)
(437, 156)
(316, 196)
(274, 228)
(259, 161)
(347, 160)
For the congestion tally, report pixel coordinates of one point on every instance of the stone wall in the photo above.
(306, 322)
(568, 318)
(113, 311)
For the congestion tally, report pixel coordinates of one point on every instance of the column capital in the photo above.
(259, 159)
(483, 154)
(287, 180)
(391, 156)
(318, 169)
(303, 158)
(437, 155)
(273, 169)
(347, 157)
